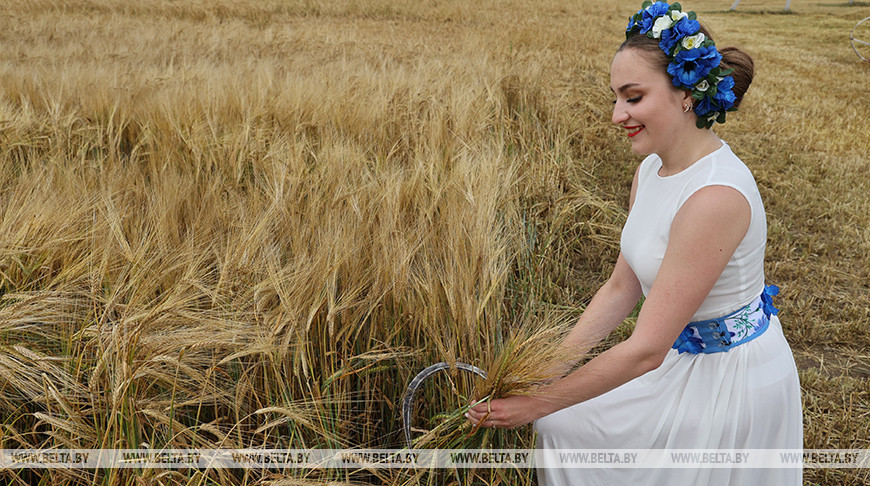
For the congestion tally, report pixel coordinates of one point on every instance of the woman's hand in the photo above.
(508, 412)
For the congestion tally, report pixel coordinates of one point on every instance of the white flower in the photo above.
(676, 15)
(693, 41)
(662, 23)
(703, 85)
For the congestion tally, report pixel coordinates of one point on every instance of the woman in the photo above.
(693, 245)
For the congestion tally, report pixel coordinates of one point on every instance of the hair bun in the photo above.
(744, 70)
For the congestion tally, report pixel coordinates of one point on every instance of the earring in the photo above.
(687, 108)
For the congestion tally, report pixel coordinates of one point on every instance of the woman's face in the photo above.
(647, 105)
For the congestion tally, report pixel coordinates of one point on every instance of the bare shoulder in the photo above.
(717, 209)
(717, 201)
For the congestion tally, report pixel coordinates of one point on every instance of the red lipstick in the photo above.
(634, 130)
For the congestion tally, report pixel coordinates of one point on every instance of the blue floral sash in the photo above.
(724, 333)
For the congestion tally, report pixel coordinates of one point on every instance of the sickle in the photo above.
(408, 400)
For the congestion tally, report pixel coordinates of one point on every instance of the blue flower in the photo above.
(688, 343)
(670, 37)
(650, 13)
(691, 66)
(705, 106)
(767, 300)
(724, 94)
(727, 83)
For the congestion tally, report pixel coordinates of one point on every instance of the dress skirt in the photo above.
(745, 398)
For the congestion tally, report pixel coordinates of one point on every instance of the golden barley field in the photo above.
(249, 223)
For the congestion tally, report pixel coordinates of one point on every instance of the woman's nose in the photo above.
(619, 115)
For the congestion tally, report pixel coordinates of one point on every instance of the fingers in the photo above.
(492, 424)
(481, 407)
(488, 414)
(476, 416)
(478, 410)
(481, 415)
(485, 422)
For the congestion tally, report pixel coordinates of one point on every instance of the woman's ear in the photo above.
(688, 101)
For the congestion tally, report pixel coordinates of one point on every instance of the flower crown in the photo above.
(694, 62)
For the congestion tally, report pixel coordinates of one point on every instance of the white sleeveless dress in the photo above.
(745, 398)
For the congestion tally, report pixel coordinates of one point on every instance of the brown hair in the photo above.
(732, 58)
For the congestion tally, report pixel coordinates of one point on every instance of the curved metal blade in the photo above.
(408, 400)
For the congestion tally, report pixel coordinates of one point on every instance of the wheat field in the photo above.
(245, 224)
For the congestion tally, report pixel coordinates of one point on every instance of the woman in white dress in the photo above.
(707, 366)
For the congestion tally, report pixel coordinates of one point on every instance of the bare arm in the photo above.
(704, 234)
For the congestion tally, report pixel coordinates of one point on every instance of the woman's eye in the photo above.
(630, 100)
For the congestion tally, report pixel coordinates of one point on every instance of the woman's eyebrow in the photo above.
(625, 86)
